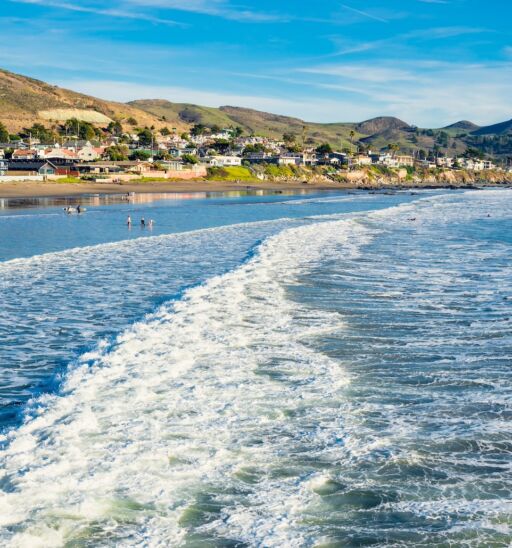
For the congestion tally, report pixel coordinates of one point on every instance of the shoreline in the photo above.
(22, 190)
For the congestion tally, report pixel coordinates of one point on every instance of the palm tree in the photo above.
(394, 148)
(352, 135)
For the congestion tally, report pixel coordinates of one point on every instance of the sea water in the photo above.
(318, 370)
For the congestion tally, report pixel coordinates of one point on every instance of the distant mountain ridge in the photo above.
(463, 125)
(25, 101)
(496, 129)
(380, 125)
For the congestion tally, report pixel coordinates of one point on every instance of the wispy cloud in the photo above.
(362, 73)
(427, 92)
(216, 8)
(109, 12)
(364, 13)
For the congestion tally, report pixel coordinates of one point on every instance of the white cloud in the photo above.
(109, 12)
(427, 93)
(217, 8)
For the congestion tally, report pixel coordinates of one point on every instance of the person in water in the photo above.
(78, 209)
(129, 221)
(142, 222)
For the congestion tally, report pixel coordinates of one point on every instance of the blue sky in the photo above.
(429, 62)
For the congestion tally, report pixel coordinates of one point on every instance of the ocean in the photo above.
(270, 370)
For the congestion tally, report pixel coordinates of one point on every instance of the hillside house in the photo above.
(58, 153)
(76, 144)
(28, 154)
(222, 161)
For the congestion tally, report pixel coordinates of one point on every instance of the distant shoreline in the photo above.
(49, 189)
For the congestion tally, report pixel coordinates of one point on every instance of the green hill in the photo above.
(25, 101)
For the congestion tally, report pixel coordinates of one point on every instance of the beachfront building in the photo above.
(445, 162)
(90, 154)
(32, 167)
(362, 160)
(475, 164)
(290, 160)
(405, 160)
(298, 159)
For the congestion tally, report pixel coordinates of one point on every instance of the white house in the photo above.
(221, 161)
(89, 154)
(362, 160)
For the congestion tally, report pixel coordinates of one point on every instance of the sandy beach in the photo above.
(36, 189)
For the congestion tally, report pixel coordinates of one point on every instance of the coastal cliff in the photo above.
(365, 177)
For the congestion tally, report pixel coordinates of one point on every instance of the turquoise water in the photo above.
(319, 370)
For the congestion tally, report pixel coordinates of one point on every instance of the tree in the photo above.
(221, 145)
(289, 138)
(4, 134)
(115, 128)
(352, 135)
(140, 155)
(294, 148)
(132, 121)
(162, 155)
(474, 153)
(324, 148)
(146, 137)
(237, 131)
(254, 149)
(393, 148)
(79, 129)
(165, 131)
(190, 159)
(198, 129)
(117, 153)
(38, 131)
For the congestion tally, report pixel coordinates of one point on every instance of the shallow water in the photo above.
(317, 371)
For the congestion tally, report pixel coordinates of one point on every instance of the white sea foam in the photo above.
(181, 427)
(192, 397)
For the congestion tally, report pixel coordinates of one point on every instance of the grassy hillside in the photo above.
(25, 101)
(253, 122)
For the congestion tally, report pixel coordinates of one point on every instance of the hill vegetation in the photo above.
(25, 101)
